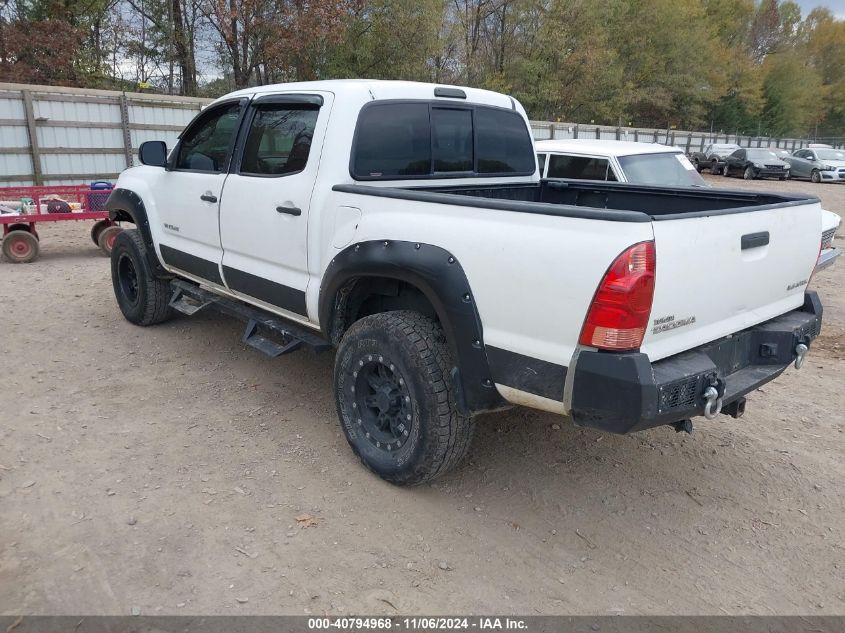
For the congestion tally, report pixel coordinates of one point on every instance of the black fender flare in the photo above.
(126, 205)
(440, 277)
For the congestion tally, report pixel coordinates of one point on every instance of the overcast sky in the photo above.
(836, 6)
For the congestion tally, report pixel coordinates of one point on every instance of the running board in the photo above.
(188, 298)
(266, 345)
(186, 304)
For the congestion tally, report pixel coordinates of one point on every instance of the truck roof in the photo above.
(383, 89)
(603, 147)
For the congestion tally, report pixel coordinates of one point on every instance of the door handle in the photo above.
(207, 197)
(289, 210)
(754, 240)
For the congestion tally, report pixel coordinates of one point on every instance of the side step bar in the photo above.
(188, 298)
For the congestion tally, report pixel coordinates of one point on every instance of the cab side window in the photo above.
(207, 144)
(579, 167)
(279, 139)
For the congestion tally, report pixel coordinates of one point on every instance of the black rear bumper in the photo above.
(621, 393)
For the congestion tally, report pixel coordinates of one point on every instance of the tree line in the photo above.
(746, 66)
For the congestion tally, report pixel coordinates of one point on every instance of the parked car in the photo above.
(617, 161)
(712, 157)
(829, 253)
(755, 162)
(818, 164)
(406, 225)
(642, 163)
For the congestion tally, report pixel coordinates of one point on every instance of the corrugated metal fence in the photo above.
(51, 135)
(687, 141)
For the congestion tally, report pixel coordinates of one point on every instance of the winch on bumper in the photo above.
(625, 392)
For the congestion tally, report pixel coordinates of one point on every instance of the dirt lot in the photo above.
(162, 470)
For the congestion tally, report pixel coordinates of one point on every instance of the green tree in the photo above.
(791, 90)
(389, 39)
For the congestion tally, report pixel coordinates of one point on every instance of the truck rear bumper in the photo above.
(621, 393)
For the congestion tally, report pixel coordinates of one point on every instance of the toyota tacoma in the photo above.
(405, 226)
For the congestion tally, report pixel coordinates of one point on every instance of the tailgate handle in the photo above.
(753, 240)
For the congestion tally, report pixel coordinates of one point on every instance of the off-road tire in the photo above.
(409, 346)
(149, 302)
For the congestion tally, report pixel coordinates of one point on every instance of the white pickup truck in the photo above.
(406, 225)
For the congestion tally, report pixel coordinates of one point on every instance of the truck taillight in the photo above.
(618, 316)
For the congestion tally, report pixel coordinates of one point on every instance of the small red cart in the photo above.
(21, 208)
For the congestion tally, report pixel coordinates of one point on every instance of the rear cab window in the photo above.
(578, 167)
(423, 139)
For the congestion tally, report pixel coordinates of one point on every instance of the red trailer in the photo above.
(21, 208)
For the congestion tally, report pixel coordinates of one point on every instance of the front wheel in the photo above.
(143, 298)
(748, 174)
(816, 176)
(395, 399)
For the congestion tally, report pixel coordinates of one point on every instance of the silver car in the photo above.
(818, 164)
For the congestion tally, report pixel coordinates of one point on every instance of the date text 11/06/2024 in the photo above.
(418, 623)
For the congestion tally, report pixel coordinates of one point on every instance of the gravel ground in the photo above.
(171, 470)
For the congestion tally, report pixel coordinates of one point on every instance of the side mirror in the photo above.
(153, 153)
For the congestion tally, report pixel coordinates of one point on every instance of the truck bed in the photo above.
(621, 202)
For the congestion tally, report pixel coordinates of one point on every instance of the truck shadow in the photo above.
(524, 467)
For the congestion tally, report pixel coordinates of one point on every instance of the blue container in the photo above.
(100, 191)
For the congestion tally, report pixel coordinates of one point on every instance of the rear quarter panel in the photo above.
(532, 276)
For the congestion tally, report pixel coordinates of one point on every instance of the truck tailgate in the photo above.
(722, 273)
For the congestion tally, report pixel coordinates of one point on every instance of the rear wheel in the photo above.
(726, 172)
(816, 176)
(395, 399)
(20, 246)
(106, 238)
(143, 298)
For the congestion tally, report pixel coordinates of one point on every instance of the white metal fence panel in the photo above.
(54, 135)
(684, 139)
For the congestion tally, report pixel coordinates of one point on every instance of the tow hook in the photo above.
(713, 398)
(800, 355)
